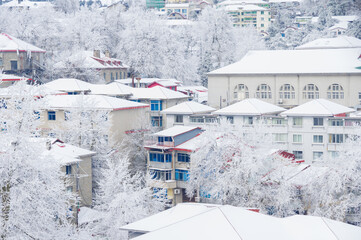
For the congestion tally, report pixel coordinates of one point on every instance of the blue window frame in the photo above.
(183, 157)
(156, 105)
(163, 175)
(36, 115)
(51, 116)
(181, 175)
(184, 10)
(157, 121)
(159, 157)
(68, 169)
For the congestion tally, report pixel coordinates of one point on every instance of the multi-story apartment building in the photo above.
(122, 115)
(169, 160)
(104, 65)
(249, 16)
(289, 77)
(19, 57)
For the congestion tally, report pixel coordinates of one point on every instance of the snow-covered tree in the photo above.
(354, 28)
(231, 167)
(34, 201)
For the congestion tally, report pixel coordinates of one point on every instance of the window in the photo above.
(156, 105)
(359, 96)
(1, 61)
(67, 115)
(317, 155)
(69, 189)
(335, 91)
(336, 123)
(116, 75)
(111, 76)
(51, 116)
(183, 157)
(14, 65)
(105, 76)
(280, 137)
(178, 118)
(297, 138)
(262, 25)
(181, 175)
(287, 91)
(262, 12)
(156, 121)
(161, 174)
(241, 92)
(184, 11)
(335, 138)
(297, 121)
(262, 19)
(317, 121)
(334, 154)
(68, 169)
(230, 119)
(249, 120)
(298, 154)
(177, 10)
(197, 119)
(263, 91)
(278, 121)
(317, 139)
(310, 91)
(159, 157)
(36, 115)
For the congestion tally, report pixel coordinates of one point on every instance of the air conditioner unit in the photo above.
(197, 199)
(188, 165)
(280, 101)
(177, 191)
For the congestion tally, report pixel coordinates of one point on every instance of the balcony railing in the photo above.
(160, 165)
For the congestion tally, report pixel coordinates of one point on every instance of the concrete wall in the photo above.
(23, 61)
(221, 88)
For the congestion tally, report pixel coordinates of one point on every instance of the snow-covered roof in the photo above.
(86, 59)
(318, 61)
(11, 78)
(157, 93)
(69, 85)
(164, 82)
(228, 222)
(91, 102)
(27, 4)
(188, 107)
(250, 7)
(318, 107)
(179, 22)
(192, 89)
(328, 43)
(348, 18)
(189, 146)
(240, 2)
(177, 5)
(168, 217)
(284, 1)
(9, 43)
(175, 131)
(110, 89)
(61, 152)
(28, 90)
(341, 25)
(250, 107)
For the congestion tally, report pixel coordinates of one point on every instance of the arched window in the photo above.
(241, 92)
(287, 91)
(310, 91)
(335, 91)
(263, 91)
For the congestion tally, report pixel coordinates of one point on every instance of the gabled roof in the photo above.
(175, 131)
(250, 107)
(189, 146)
(156, 93)
(86, 59)
(68, 85)
(329, 43)
(318, 107)
(9, 43)
(111, 89)
(164, 82)
(233, 223)
(240, 2)
(96, 102)
(188, 107)
(317, 61)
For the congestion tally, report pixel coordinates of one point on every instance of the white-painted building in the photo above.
(289, 77)
(187, 113)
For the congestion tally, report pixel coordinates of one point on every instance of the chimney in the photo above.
(96, 53)
(48, 144)
(107, 54)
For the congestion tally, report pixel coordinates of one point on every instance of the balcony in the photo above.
(160, 165)
(163, 184)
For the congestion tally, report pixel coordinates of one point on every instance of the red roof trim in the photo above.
(22, 51)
